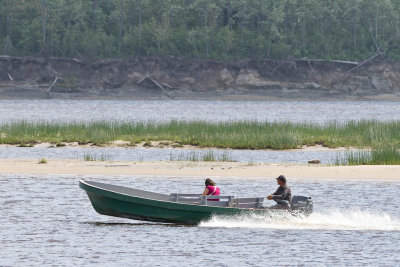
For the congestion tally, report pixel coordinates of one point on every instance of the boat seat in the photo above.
(224, 201)
(252, 203)
(185, 198)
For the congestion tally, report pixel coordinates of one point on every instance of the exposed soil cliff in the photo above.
(172, 77)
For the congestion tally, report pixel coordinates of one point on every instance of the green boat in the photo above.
(124, 202)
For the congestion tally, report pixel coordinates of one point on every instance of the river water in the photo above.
(167, 154)
(48, 220)
(166, 110)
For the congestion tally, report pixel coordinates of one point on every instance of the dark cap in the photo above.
(282, 178)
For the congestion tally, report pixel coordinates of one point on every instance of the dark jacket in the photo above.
(283, 193)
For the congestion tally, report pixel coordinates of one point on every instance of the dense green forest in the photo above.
(216, 29)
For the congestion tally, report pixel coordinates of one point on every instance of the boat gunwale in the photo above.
(177, 203)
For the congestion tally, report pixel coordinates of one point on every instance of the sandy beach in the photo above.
(198, 169)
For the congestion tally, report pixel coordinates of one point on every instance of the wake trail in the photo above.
(332, 220)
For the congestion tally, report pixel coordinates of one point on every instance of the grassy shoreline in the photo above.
(381, 155)
(235, 135)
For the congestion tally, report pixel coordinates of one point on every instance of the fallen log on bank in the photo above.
(51, 86)
(151, 79)
(345, 62)
(315, 75)
(276, 68)
(309, 61)
(365, 61)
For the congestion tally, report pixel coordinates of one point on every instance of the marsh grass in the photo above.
(381, 155)
(202, 156)
(251, 163)
(236, 135)
(96, 157)
(42, 161)
(141, 158)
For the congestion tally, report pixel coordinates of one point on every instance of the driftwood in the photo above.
(294, 64)
(168, 86)
(148, 76)
(35, 80)
(9, 76)
(315, 75)
(324, 60)
(51, 86)
(140, 65)
(276, 68)
(309, 61)
(365, 61)
(141, 80)
(344, 62)
(56, 75)
(31, 82)
(161, 87)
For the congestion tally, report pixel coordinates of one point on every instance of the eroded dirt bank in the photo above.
(182, 78)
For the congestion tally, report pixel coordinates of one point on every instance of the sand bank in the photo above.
(198, 169)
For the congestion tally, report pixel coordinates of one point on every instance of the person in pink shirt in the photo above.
(211, 189)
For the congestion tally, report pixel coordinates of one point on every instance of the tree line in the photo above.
(215, 29)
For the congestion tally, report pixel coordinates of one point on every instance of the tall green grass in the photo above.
(238, 135)
(96, 157)
(205, 156)
(382, 155)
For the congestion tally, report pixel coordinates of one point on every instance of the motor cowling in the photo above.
(302, 204)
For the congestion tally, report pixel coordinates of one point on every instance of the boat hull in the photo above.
(126, 206)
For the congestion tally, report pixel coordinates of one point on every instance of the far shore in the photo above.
(198, 169)
(17, 92)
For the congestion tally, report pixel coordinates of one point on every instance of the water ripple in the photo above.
(48, 220)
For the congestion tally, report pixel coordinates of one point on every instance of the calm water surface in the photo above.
(166, 110)
(167, 154)
(49, 221)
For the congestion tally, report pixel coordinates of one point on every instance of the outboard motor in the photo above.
(302, 205)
